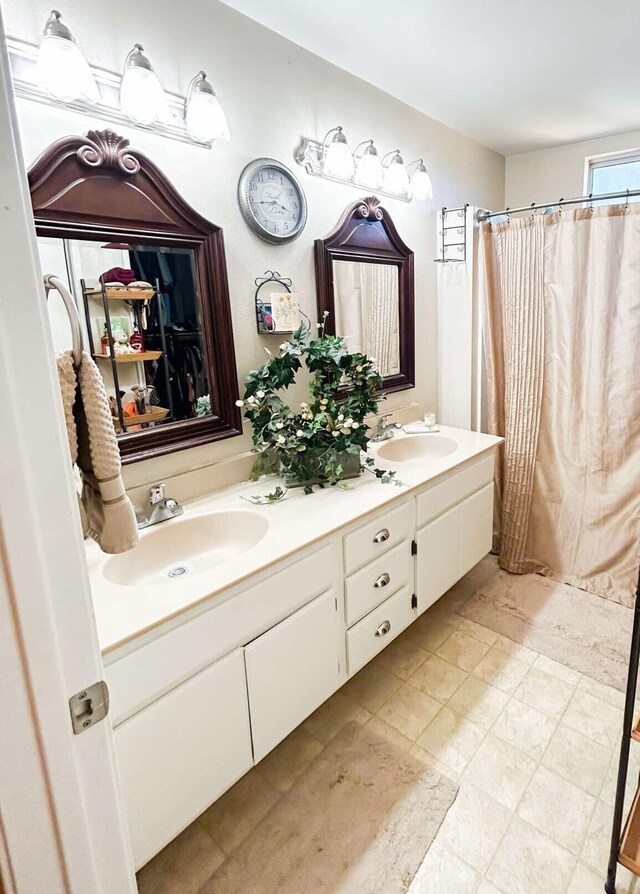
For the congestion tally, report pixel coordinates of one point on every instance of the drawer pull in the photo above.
(384, 628)
(381, 536)
(382, 581)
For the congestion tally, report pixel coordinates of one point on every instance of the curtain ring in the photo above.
(590, 203)
(626, 204)
(560, 205)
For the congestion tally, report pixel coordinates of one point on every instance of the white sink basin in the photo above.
(178, 548)
(417, 447)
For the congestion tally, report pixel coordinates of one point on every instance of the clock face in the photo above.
(272, 201)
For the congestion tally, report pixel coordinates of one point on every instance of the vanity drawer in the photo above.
(377, 581)
(146, 673)
(453, 490)
(370, 635)
(377, 536)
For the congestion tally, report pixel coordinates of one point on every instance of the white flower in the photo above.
(300, 433)
(335, 434)
(324, 401)
(303, 404)
(279, 424)
(251, 399)
(260, 394)
(281, 439)
(355, 425)
(239, 403)
(340, 417)
(358, 369)
(284, 345)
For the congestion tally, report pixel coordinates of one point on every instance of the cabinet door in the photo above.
(476, 528)
(182, 752)
(291, 670)
(438, 559)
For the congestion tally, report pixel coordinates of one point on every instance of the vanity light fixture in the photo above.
(62, 70)
(203, 113)
(368, 167)
(420, 186)
(394, 173)
(337, 157)
(141, 95)
(331, 159)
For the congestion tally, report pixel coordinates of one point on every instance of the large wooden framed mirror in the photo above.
(106, 214)
(365, 281)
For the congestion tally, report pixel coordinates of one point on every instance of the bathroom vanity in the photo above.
(276, 608)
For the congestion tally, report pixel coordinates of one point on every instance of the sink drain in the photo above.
(179, 571)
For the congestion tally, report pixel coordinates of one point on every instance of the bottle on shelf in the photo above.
(104, 341)
(136, 340)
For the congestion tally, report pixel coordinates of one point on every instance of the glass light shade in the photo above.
(205, 119)
(141, 95)
(420, 186)
(396, 178)
(338, 160)
(369, 170)
(63, 71)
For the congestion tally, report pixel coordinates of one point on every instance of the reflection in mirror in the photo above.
(140, 314)
(367, 310)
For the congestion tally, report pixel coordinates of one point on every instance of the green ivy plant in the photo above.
(312, 446)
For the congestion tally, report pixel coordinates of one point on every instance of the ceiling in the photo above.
(513, 74)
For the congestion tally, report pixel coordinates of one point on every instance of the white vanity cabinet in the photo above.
(181, 753)
(201, 699)
(455, 525)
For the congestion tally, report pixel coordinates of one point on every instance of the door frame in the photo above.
(62, 825)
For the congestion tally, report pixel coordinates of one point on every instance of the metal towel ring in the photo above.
(51, 281)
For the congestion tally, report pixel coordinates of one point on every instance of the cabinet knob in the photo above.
(381, 536)
(382, 581)
(384, 628)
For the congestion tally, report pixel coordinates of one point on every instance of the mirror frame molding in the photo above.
(365, 232)
(95, 187)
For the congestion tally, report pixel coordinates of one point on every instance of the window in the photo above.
(614, 173)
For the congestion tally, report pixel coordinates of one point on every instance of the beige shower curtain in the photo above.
(562, 343)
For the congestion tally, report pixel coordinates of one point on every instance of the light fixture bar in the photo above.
(310, 155)
(23, 58)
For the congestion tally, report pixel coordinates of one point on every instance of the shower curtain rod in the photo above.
(483, 216)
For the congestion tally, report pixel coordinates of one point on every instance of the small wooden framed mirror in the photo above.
(105, 213)
(365, 281)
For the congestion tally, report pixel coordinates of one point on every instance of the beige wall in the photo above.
(273, 93)
(559, 172)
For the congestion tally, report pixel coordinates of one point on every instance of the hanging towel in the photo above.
(105, 509)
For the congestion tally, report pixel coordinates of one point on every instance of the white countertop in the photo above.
(124, 612)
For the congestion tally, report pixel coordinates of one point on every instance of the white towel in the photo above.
(106, 511)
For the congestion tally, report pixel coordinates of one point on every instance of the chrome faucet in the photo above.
(385, 429)
(162, 508)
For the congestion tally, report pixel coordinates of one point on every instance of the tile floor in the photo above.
(532, 744)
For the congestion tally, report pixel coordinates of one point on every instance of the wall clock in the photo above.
(271, 200)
